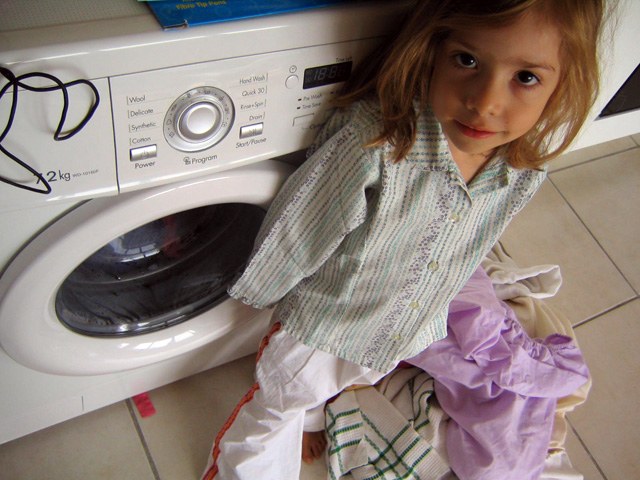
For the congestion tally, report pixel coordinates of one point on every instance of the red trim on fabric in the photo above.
(213, 470)
(265, 341)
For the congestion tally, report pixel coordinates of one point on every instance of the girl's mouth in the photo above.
(473, 132)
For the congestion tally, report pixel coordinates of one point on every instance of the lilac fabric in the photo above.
(498, 385)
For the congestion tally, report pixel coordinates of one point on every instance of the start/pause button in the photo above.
(251, 130)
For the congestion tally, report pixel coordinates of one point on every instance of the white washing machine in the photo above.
(118, 242)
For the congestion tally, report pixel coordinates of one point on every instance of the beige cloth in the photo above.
(511, 281)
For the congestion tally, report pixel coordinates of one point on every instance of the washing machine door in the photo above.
(161, 273)
(123, 282)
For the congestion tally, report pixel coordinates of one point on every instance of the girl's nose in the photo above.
(486, 97)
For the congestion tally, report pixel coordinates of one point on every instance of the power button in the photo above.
(143, 153)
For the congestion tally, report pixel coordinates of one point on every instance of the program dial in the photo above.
(198, 119)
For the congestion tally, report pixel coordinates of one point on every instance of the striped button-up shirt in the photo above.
(363, 255)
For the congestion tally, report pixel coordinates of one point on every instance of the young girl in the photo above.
(434, 150)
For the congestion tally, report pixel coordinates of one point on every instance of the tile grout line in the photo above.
(595, 239)
(143, 441)
(586, 449)
(606, 311)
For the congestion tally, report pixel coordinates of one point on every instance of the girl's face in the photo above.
(490, 85)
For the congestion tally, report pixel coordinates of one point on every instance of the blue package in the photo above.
(186, 13)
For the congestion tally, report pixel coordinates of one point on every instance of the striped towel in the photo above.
(389, 432)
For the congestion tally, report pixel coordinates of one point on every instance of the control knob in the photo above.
(198, 119)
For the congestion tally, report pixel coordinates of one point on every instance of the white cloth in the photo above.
(558, 467)
(264, 437)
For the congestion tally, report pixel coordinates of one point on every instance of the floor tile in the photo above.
(316, 471)
(547, 231)
(608, 423)
(99, 445)
(576, 157)
(581, 459)
(189, 413)
(606, 195)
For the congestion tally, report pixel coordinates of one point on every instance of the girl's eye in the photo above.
(465, 60)
(527, 78)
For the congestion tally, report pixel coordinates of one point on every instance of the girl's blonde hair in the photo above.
(400, 73)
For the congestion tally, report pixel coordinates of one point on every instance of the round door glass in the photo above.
(161, 273)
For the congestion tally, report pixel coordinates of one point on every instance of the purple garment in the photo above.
(498, 385)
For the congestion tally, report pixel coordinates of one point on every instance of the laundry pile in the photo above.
(480, 404)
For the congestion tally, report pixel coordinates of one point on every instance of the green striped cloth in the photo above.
(390, 432)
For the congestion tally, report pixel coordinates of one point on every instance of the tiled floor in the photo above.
(586, 219)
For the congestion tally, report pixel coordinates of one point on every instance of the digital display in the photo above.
(326, 75)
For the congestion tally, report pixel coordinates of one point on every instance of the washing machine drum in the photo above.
(161, 273)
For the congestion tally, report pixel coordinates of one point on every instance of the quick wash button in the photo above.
(143, 153)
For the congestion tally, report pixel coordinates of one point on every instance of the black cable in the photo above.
(15, 83)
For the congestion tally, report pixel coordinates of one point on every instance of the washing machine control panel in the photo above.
(165, 125)
(196, 119)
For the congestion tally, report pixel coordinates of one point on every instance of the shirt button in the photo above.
(433, 266)
(397, 337)
(455, 217)
(414, 305)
